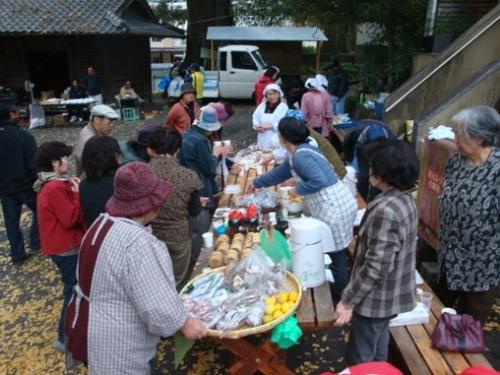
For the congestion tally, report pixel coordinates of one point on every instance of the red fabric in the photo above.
(479, 370)
(372, 368)
(76, 341)
(260, 85)
(60, 218)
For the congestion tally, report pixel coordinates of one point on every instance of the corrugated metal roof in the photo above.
(76, 17)
(269, 34)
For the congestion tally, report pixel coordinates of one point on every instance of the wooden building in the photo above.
(51, 43)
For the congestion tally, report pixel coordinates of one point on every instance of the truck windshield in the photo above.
(258, 57)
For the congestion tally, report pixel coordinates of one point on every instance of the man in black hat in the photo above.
(338, 84)
(183, 113)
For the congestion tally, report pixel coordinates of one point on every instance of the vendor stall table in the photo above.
(413, 344)
(315, 312)
(80, 110)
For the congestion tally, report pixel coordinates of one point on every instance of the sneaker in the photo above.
(25, 257)
(59, 346)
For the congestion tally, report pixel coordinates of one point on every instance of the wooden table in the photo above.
(315, 312)
(413, 345)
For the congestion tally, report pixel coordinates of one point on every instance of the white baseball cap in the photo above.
(103, 110)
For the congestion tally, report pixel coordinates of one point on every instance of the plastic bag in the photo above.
(263, 199)
(258, 273)
(174, 88)
(276, 247)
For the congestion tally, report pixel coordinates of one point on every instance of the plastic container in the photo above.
(307, 246)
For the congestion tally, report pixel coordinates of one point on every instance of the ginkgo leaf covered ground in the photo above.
(30, 302)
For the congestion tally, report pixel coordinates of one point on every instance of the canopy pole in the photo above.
(212, 55)
(318, 54)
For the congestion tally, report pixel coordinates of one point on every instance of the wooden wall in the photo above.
(116, 58)
(287, 56)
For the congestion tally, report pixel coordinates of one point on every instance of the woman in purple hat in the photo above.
(125, 297)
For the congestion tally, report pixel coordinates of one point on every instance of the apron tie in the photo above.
(79, 296)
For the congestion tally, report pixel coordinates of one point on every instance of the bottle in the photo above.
(252, 220)
(362, 100)
(234, 223)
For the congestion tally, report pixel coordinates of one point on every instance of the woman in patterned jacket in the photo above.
(469, 212)
(382, 281)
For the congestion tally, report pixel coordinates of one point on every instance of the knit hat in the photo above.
(208, 119)
(375, 132)
(187, 88)
(137, 190)
(273, 87)
(220, 110)
(143, 134)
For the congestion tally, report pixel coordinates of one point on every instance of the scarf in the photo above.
(44, 177)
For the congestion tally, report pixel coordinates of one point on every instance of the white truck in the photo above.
(238, 67)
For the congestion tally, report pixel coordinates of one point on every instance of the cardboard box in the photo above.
(44, 95)
(58, 120)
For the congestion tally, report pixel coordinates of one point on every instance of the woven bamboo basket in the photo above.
(246, 330)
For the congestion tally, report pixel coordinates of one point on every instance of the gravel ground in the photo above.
(30, 298)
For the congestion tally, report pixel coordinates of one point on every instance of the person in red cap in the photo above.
(125, 297)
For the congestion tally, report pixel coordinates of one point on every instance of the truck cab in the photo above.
(238, 67)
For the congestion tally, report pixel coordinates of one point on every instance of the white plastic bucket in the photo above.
(307, 252)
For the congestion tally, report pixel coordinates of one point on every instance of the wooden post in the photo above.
(318, 53)
(212, 55)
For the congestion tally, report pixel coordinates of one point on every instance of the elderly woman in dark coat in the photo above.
(469, 215)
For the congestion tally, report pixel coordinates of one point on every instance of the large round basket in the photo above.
(246, 330)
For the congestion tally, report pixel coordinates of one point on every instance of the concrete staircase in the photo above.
(466, 73)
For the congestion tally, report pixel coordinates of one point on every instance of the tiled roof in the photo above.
(77, 17)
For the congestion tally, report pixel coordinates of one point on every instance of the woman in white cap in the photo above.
(317, 108)
(267, 116)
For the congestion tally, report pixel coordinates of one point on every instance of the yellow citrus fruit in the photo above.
(270, 300)
(283, 297)
(270, 309)
(286, 306)
(277, 306)
(267, 319)
(277, 314)
(292, 296)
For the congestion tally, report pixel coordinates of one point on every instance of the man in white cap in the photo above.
(101, 123)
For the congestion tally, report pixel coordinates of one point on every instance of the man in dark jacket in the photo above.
(198, 155)
(17, 175)
(94, 85)
(338, 84)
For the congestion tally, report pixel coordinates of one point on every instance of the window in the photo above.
(223, 61)
(243, 60)
(257, 56)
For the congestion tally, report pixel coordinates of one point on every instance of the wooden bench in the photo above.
(413, 345)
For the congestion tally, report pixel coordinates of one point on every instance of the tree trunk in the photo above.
(202, 14)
